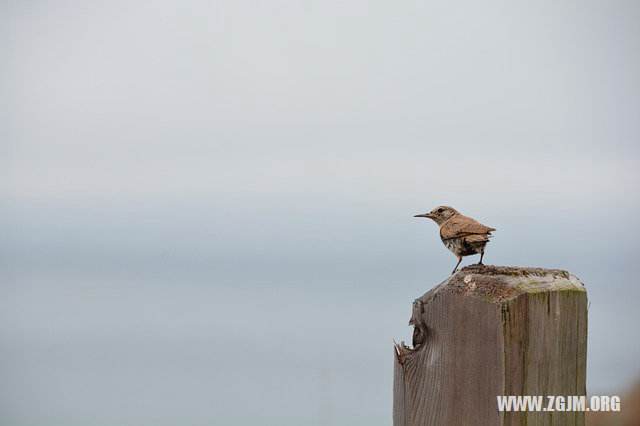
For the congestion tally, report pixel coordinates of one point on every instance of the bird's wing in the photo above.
(461, 226)
(477, 238)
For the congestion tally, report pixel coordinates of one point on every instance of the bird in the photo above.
(462, 235)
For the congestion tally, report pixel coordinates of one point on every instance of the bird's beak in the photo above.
(424, 215)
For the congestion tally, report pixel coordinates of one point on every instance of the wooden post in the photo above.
(489, 331)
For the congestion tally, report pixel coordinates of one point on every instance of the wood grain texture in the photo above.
(490, 331)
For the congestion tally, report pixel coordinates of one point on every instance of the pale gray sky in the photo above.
(191, 184)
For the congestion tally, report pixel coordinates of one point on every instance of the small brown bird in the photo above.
(462, 235)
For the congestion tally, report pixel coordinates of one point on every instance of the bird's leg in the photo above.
(457, 264)
(481, 256)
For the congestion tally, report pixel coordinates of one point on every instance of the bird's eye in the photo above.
(440, 210)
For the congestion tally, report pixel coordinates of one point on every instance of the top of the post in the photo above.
(497, 284)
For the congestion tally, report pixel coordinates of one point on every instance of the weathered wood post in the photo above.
(489, 331)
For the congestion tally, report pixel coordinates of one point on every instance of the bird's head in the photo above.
(440, 214)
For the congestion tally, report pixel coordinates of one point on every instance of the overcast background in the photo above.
(206, 211)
